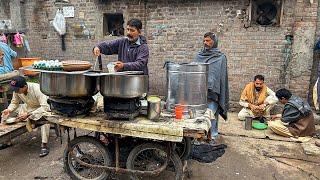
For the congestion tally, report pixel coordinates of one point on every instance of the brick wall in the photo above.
(174, 29)
(4, 9)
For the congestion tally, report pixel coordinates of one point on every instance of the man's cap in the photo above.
(17, 83)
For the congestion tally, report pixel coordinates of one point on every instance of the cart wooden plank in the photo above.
(167, 128)
(8, 132)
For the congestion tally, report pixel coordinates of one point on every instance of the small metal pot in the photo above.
(123, 85)
(154, 108)
(67, 84)
(248, 123)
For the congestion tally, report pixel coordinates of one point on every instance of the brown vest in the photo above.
(303, 127)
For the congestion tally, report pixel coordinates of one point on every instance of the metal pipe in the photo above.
(100, 62)
(117, 152)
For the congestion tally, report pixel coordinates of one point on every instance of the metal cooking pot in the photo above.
(123, 85)
(67, 84)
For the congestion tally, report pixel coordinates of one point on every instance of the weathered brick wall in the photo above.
(4, 9)
(174, 30)
(304, 36)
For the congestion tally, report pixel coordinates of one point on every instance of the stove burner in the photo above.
(71, 106)
(121, 108)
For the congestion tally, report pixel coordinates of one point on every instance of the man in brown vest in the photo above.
(297, 118)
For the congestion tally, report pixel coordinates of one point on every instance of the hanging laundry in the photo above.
(25, 42)
(17, 40)
(3, 38)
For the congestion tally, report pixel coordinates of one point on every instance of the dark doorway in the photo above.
(113, 24)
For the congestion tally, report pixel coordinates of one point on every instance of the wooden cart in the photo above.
(140, 148)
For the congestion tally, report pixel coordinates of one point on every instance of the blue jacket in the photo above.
(134, 55)
(7, 59)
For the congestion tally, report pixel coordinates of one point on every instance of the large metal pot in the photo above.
(67, 84)
(123, 85)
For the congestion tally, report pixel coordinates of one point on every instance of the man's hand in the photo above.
(96, 51)
(6, 112)
(118, 66)
(262, 107)
(273, 117)
(253, 107)
(22, 116)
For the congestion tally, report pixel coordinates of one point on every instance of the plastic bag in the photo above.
(59, 23)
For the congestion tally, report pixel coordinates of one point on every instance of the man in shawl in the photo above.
(296, 119)
(257, 100)
(218, 86)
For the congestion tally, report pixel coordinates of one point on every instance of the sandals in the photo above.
(44, 151)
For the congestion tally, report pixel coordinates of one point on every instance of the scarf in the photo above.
(218, 85)
(248, 94)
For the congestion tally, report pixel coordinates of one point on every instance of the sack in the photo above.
(207, 153)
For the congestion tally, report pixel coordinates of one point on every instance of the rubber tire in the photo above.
(91, 140)
(174, 158)
(187, 148)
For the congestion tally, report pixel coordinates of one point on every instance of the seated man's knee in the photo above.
(242, 115)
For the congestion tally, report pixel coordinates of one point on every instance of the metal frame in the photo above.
(117, 168)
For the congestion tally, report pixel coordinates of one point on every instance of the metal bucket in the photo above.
(154, 107)
(187, 85)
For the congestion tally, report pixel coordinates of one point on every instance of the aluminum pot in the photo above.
(123, 85)
(67, 84)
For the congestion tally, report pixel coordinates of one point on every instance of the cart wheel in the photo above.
(184, 148)
(89, 150)
(151, 156)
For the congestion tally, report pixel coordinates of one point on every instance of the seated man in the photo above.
(35, 104)
(297, 117)
(6, 55)
(257, 99)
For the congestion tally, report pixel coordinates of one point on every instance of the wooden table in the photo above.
(8, 132)
(11, 131)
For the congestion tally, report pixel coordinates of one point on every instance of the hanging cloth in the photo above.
(25, 42)
(3, 38)
(59, 24)
(18, 40)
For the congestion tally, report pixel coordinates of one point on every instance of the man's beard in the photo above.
(131, 38)
(258, 88)
(206, 47)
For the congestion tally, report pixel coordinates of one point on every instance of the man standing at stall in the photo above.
(218, 84)
(6, 55)
(133, 51)
(35, 104)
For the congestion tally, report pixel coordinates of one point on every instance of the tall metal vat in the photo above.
(187, 85)
(173, 71)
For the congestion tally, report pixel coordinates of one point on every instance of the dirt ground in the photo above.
(250, 155)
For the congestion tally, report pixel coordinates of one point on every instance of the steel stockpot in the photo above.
(123, 85)
(68, 84)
